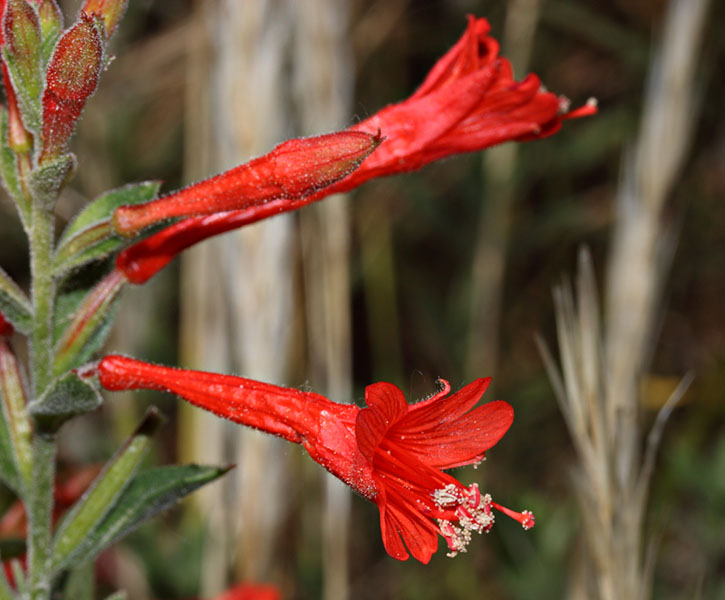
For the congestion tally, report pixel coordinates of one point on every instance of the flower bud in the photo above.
(293, 170)
(71, 78)
(22, 41)
(109, 11)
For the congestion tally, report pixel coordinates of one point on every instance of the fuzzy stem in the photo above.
(39, 502)
(40, 508)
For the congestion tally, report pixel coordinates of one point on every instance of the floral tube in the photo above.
(390, 452)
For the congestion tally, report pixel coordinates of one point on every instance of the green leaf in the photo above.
(90, 236)
(9, 171)
(48, 179)
(89, 511)
(101, 209)
(90, 324)
(67, 397)
(148, 494)
(14, 306)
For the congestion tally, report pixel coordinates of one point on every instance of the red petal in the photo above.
(385, 406)
(464, 57)
(459, 442)
(426, 416)
(412, 126)
(418, 533)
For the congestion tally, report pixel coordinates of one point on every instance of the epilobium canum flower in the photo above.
(389, 452)
(468, 102)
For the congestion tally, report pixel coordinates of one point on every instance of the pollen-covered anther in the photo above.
(472, 513)
(564, 105)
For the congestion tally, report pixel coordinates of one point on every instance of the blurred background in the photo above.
(443, 273)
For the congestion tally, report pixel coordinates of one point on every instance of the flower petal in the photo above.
(426, 416)
(418, 533)
(460, 442)
(469, 53)
(385, 406)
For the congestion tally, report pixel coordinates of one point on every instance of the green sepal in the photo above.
(9, 170)
(119, 595)
(14, 305)
(66, 397)
(49, 178)
(148, 494)
(15, 422)
(28, 102)
(89, 512)
(90, 236)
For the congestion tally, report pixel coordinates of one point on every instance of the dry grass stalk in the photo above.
(601, 366)
(612, 511)
(244, 325)
(323, 84)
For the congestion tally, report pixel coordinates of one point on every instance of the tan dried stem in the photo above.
(602, 364)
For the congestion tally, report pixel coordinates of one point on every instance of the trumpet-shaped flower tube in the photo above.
(293, 170)
(468, 102)
(389, 452)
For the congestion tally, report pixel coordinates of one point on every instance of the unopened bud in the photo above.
(109, 11)
(21, 32)
(71, 78)
(293, 170)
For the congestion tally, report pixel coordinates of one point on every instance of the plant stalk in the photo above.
(39, 500)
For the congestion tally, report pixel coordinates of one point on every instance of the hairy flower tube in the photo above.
(468, 102)
(389, 452)
(293, 170)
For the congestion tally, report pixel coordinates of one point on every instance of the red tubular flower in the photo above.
(469, 101)
(389, 452)
(293, 170)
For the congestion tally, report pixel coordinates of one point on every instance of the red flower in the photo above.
(469, 101)
(390, 452)
(293, 170)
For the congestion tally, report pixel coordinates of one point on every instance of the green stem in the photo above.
(39, 502)
(40, 509)
(43, 292)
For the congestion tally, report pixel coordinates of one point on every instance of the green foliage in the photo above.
(89, 236)
(146, 495)
(67, 396)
